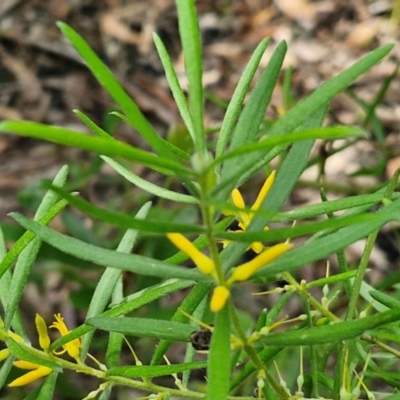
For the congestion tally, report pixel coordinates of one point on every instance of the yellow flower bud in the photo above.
(41, 327)
(219, 298)
(245, 271)
(4, 353)
(31, 376)
(203, 263)
(264, 191)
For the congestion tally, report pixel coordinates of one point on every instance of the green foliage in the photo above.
(241, 345)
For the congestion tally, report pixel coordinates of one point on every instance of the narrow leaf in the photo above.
(109, 279)
(174, 86)
(191, 44)
(218, 371)
(148, 186)
(113, 87)
(236, 102)
(331, 333)
(132, 302)
(92, 126)
(98, 145)
(108, 258)
(144, 327)
(154, 370)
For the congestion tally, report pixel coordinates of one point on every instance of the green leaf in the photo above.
(154, 370)
(128, 304)
(123, 220)
(303, 113)
(144, 327)
(35, 356)
(5, 369)
(331, 333)
(299, 230)
(304, 109)
(5, 288)
(329, 280)
(236, 102)
(188, 306)
(99, 145)
(180, 153)
(109, 279)
(266, 356)
(20, 276)
(314, 210)
(218, 371)
(108, 258)
(148, 186)
(191, 44)
(386, 300)
(174, 86)
(27, 237)
(28, 255)
(321, 247)
(247, 128)
(113, 87)
(93, 126)
(47, 389)
(325, 133)
(288, 174)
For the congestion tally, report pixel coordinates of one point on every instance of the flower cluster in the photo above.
(38, 371)
(243, 217)
(243, 272)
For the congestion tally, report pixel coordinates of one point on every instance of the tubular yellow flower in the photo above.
(245, 271)
(41, 327)
(203, 263)
(4, 353)
(219, 298)
(245, 217)
(73, 347)
(264, 191)
(38, 371)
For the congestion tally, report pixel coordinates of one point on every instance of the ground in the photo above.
(43, 79)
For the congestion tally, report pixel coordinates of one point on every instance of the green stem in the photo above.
(249, 349)
(361, 271)
(304, 293)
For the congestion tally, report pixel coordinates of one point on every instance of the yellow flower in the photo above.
(241, 273)
(4, 353)
(246, 270)
(203, 263)
(219, 298)
(73, 347)
(38, 371)
(245, 217)
(41, 327)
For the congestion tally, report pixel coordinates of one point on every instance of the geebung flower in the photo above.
(203, 263)
(219, 297)
(241, 273)
(246, 270)
(73, 347)
(245, 217)
(36, 370)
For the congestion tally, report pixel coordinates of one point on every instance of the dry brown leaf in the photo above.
(363, 33)
(112, 26)
(299, 9)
